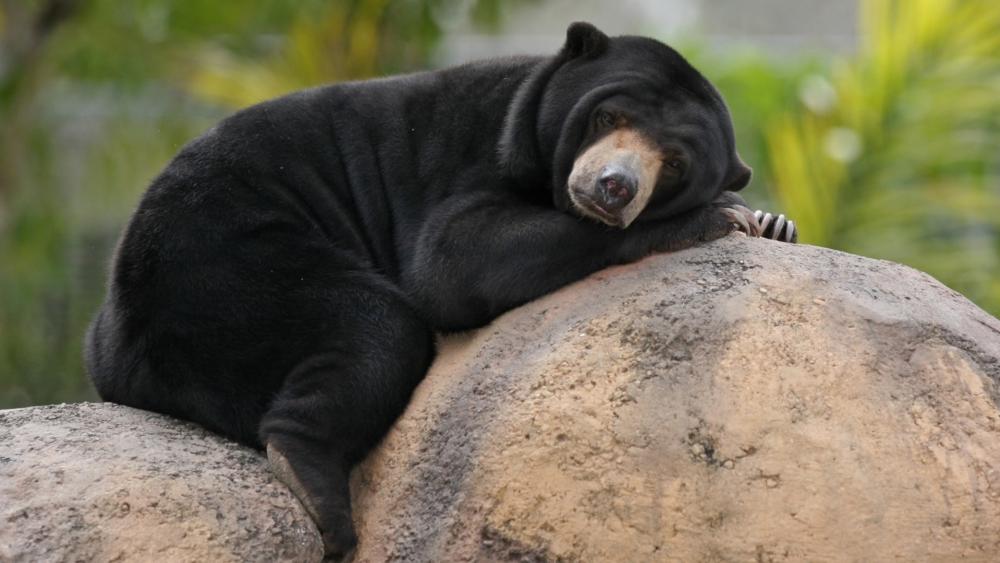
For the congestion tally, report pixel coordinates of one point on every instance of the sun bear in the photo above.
(282, 279)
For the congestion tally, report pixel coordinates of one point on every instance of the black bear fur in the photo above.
(281, 280)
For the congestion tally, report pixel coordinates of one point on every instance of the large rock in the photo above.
(102, 482)
(746, 400)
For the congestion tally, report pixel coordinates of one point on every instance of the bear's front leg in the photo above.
(481, 254)
(728, 213)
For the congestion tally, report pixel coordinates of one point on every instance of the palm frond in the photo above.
(904, 165)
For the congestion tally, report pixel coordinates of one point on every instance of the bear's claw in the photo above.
(776, 228)
(743, 219)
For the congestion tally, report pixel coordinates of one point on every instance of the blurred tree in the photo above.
(344, 41)
(895, 155)
(25, 30)
(757, 87)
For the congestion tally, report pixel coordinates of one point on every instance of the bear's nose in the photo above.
(616, 188)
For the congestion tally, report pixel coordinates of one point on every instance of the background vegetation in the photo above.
(890, 152)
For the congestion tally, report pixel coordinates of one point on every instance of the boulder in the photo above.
(742, 401)
(103, 482)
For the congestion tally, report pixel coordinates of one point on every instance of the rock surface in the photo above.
(102, 482)
(746, 400)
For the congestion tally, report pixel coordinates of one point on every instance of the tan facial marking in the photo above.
(626, 148)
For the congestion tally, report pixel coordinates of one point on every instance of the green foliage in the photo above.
(72, 196)
(343, 41)
(132, 43)
(757, 88)
(894, 155)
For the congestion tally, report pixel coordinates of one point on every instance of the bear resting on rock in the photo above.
(282, 279)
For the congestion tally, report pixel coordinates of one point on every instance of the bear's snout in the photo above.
(616, 187)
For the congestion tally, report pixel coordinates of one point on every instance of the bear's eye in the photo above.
(605, 119)
(676, 165)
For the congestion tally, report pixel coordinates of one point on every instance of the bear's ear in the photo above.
(518, 151)
(584, 40)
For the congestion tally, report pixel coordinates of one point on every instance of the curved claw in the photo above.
(744, 219)
(779, 223)
(781, 228)
(740, 220)
(765, 220)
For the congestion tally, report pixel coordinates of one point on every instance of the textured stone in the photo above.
(103, 482)
(746, 400)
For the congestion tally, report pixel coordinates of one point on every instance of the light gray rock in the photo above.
(743, 401)
(103, 482)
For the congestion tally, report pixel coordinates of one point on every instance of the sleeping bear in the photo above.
(281, 281)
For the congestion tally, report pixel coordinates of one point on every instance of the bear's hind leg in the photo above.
(339, 402)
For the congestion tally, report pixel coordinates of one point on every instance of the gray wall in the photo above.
(779, 26)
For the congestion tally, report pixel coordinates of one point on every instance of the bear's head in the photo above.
(621, 129)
